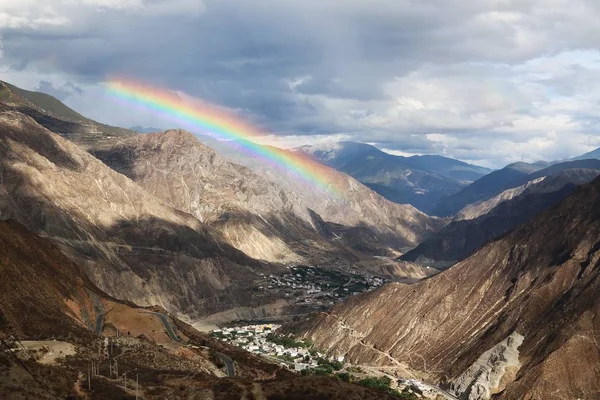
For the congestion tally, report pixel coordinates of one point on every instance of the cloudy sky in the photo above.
(485, 81)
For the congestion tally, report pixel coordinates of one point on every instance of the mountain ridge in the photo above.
(417, 180)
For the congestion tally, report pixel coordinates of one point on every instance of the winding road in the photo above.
(228, 363)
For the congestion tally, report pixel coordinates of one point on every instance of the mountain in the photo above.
(417, 180)
(175, 238)
(383, 225)
(516, 320)
(484, 188)
(461, 238)
(57, 117)
(351, 204)
(511, 176)
(592, 154)
(132, 245)
(254, 215)
(54, 323)
(478, 209)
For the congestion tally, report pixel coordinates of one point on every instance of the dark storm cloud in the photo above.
(391, 71)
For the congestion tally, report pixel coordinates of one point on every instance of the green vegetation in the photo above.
(345, 376)
(383, 384)
(218, 335)
(288, 342)
(319, 371)
(334, 365)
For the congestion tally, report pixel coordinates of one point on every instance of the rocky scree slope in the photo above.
(541, 282)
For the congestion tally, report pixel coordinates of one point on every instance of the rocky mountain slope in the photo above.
(365, 222)
(131, 244)
(516, 320)
(462, 237)
(351, 204)
(478, 209)
(485, 188)
(57, 117)
(511, 176)
(418, 180)
(142, 247)
(253, 214)
(54, 323)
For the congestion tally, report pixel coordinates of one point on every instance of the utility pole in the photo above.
(137, 385)
(117, 368)
(125, 381)
(89, 379)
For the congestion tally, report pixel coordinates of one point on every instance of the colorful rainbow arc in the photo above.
(220, 124)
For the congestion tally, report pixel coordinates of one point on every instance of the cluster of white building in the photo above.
(253, 338)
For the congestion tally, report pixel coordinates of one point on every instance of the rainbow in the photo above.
(220, 124)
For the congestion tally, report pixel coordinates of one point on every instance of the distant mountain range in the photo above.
(463, 237)
(419, 180)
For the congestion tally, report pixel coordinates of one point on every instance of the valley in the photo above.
(225, 269)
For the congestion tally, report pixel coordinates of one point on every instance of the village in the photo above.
(300, 356)
(260, 339)
(317, 286)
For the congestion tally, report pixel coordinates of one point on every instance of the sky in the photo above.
(485, 81)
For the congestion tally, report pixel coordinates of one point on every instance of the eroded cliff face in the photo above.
(131, 244)
(541, 281)
(491, 372)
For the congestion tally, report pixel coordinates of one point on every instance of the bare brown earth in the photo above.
(266, 220)
(542, 282)
(46, 297)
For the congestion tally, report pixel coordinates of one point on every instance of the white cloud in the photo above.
(486, 81)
